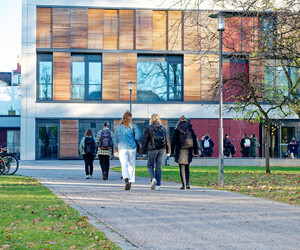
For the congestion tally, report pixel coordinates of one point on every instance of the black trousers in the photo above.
(88, 161)
(185, 174)
(104, 164)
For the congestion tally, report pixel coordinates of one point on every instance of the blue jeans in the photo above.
(155, 158)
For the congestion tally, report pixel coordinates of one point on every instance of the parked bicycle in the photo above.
(9, 163)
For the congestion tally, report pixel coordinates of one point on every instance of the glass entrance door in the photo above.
(48, 141)
(286, 136)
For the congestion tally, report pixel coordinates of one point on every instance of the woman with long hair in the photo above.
(157, 143)
(87, 148)
(126, 135)
(184, 144)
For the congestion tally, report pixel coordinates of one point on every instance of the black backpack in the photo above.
(158, 139)
(105, 141)
(186, 139)
(89, 145)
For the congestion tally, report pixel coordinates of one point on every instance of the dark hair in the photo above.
(245, 135)
(89, 132)
(226, 135)
(253, 135)
(106, 124)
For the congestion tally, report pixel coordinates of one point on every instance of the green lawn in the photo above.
(282, 185)
(33, 217)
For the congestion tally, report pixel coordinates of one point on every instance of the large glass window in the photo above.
(86, 77)
(159, 78)
(44, 77)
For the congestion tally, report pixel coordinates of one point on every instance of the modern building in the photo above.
(5, 78)
(78, 56)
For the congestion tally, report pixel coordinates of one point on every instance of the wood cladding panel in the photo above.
(44, 28)
(69, 138)
(192, 21)
(128, 64)
(209, 69)
(191, 77)
(111, 29)
(95, 29)
(79, 28)
(232, 36)
(61, 27)
(61, 76)
(248, 34)
(159, 30)
(144, 29)
(175, 30)
(111, 78)
(208, 33)
(127, 29)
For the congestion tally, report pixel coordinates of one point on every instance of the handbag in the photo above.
(138, 145)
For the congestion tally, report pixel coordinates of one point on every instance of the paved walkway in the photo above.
(171, 218)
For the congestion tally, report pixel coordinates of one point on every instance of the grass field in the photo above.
(282, 185)
(33, 217)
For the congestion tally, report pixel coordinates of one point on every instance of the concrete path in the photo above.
(171, 218)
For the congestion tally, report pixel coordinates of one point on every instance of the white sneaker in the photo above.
(87, 177)
(157, 188)
(153, 184)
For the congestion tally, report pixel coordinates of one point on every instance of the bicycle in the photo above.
(2, 166)
(10, 162)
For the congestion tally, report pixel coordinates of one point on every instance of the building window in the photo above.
(276, 79)
(86, 77)
(268, 31)
(45, 76)
(159, 78)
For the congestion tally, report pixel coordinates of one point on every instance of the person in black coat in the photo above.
(208, 145)
(245, 146)
(184, 145)
(293, 147)
(228, 147)
(156, 143)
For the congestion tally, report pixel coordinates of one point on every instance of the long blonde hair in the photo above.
(181, 119)
(155, 118)
(126, 119)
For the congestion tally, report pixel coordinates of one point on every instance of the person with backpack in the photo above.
(293, 147)
(245, 146)
(105, 148)
(157, 143)
(254, 145)
(229, 149)
(207, 145)
(87, 148)
(184, 145)
(126, 142)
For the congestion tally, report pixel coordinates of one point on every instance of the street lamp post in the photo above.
(220, 27)
(130, 83)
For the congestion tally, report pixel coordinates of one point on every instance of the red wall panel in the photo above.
(3, 138)
(236, 130)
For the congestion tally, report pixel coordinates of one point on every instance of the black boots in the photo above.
(127, 184)
(183, 186)
(105, 175)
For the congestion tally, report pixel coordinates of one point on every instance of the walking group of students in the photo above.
(155, 142)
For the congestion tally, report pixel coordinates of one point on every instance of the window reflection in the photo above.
(159, 79)
(45, 77)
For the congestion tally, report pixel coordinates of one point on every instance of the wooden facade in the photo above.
(69, 139)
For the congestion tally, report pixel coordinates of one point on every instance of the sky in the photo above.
(10, 34)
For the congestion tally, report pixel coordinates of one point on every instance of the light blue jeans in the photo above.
(155, 158)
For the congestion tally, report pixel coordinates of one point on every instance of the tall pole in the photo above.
(130, 101)
(221, 159)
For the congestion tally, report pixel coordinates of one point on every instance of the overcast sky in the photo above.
(10, 34)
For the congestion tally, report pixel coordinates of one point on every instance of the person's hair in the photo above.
(89, 132)
(226, 135)
(253, 135)
(181, 119)
(155, 118)
(245, 135)
(126, 119)
(206, 134)
(106, 124)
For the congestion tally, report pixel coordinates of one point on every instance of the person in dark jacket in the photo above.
(156, 143)
(245, 145)
(228, 147)
(254, 145)
(184, 144)
(293, 147)
(207, 145)
(201, 146)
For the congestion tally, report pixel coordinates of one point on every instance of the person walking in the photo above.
(105, 148)
(126, 137)
(245, 145)
(184, 144)
(156, 143)
(254, 145)
(229, 149)
(87, 149)
(207, 145)
(293, 147)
